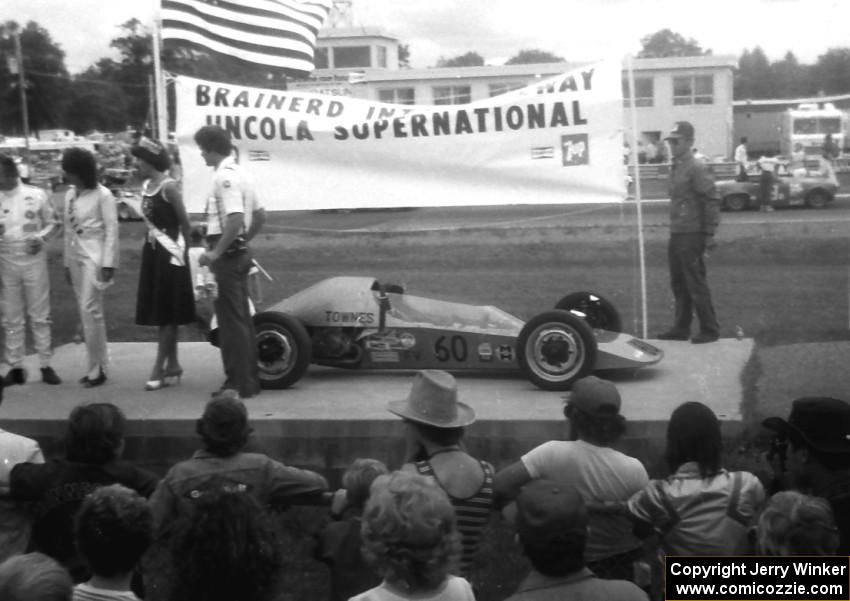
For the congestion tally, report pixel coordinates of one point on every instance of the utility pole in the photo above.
(19, 58)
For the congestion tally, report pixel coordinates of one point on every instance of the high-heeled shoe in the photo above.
(92, 382)
(152, 385)
(170, 374)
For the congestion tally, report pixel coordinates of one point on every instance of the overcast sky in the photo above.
(577, 30)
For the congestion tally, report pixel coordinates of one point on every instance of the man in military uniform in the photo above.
(27, 222)
(694, 215)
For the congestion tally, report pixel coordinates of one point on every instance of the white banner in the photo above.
(555, 142)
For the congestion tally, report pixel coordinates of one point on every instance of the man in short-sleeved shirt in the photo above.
(234, 216)
(599, 473)
(694, 216)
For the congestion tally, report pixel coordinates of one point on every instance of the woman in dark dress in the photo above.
(165, 297)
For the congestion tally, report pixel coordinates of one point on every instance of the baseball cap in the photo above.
(550, 514)
(821, 423)
(594, 396)
(682, 129)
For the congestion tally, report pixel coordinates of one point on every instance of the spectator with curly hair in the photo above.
(113, 530)
(409, 535)
(797, 524)
(228, 547)
(338, 544)
(599, 473)
(34, 577)
(94, 442)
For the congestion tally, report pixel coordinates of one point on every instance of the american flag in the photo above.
(274, 33)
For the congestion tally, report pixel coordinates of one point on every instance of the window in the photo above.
(382, 56)
(397, 95)
(504, 88)
(644, 91)
(353, 56)
(693, 89)
(452, 94)
(321, 58)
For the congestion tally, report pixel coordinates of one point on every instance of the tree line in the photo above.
(113, 94)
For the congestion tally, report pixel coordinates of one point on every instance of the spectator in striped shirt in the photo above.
(434, 422)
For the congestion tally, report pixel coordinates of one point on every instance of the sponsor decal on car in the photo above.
(359, 317)
(384, 356)
(389, 340)
(407, 340)
(485, 352)
(506, 352)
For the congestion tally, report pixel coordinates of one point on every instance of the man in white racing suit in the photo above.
(27, 222)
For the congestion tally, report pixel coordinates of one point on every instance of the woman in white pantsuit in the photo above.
(91, 253)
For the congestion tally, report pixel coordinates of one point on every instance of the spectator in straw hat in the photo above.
(814, 443)
(552, 527)
(599, 473)
(434, 422)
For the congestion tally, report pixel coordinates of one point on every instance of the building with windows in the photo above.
(362, 62)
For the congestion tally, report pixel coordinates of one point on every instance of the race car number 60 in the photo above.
(456, 349)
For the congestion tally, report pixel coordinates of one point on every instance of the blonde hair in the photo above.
(797, 524)
(358, 479)
(34, 576)
(409, 531)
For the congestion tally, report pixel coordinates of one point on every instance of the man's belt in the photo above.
(239, 244)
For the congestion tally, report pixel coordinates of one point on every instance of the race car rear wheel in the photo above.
(556, 348)
(737, 202)
(284, 349)
(598, 312)
(817, 199)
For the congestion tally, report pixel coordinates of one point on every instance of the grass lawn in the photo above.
(781, 285)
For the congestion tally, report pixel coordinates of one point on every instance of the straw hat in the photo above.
(433, 401)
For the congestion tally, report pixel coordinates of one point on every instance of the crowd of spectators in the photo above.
(587, 517)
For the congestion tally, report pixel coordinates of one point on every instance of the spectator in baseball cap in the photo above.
(552, 527)
(599, 473)
(815, 442)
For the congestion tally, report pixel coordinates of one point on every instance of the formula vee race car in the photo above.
(360, 323)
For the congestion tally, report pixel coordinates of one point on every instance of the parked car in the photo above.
(803, 187)
(127, 195)
(360, 323)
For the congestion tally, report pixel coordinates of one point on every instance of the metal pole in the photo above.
(638, 199)
(21, 84)
(161, 103)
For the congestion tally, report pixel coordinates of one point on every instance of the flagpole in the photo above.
(161, 107)
(639, 205)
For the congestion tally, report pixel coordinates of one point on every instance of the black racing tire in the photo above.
(284, 349)
(817, 199)
(597, 311)
(556, 348)
(737, 202)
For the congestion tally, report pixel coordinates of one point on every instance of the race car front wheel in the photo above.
(284, 349)
(598, 312)
(555, 349)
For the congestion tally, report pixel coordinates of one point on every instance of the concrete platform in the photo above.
(332, 416)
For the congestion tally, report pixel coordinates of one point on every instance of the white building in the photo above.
(363, 62)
